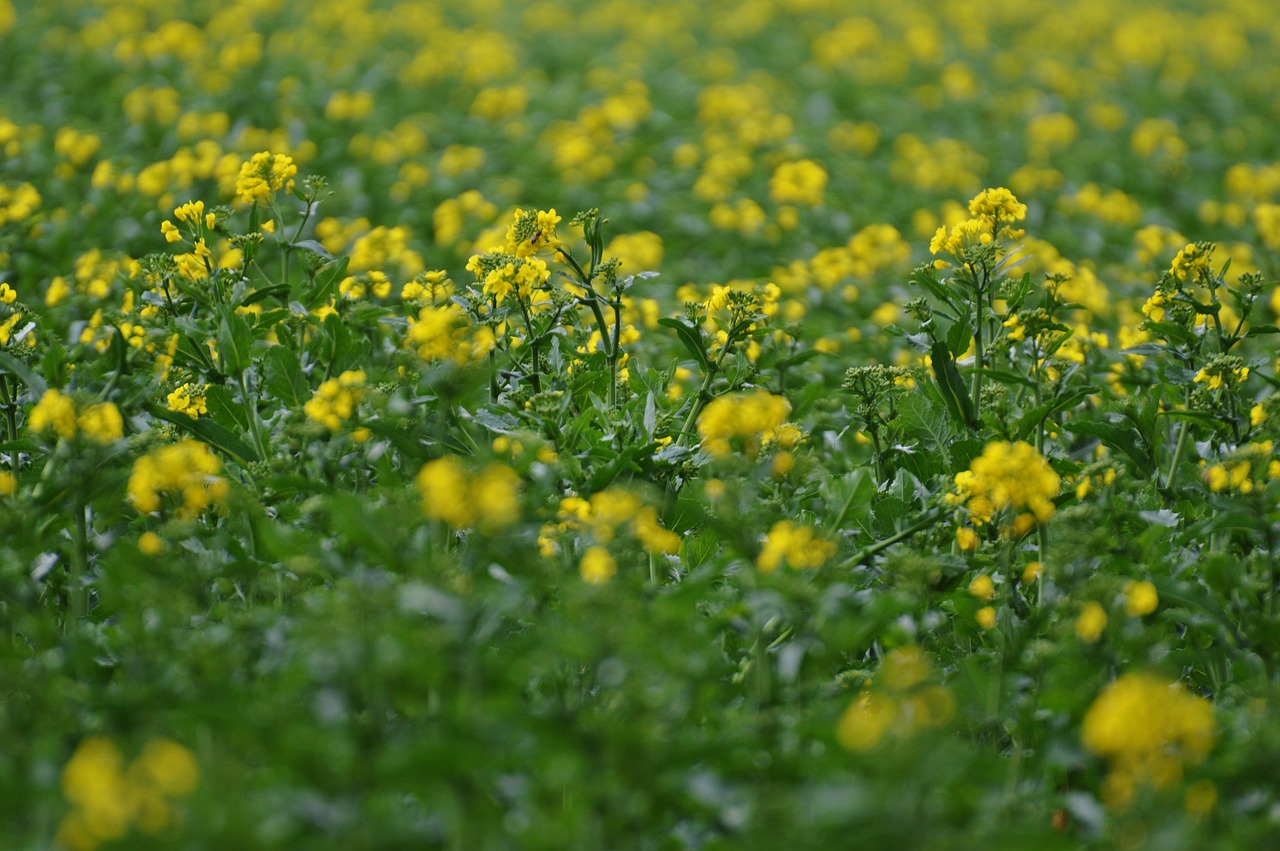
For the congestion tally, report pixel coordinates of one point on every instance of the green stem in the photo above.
(1184, 429)
(979, 361)
(251, 413)
(923, 523)
(78, 569)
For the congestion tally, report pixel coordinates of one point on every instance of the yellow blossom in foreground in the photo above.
(903, 702)
(488, 500)
(597, 566)
(799, 546)
(1091, 622)
(1140, 599)
(151, 544)
(8, 484)
(54, 412)
(188, 468)
(101, 422)
(110, 798)
(986, 617)
(982, 587)
(1148, 729)
(746, 417)
(335, 400)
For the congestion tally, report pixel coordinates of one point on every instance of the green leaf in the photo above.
(284, 376)
(278, 291)
(1028, 422)
(13, 366)
(235, 342)
(324, 284)
(691, 337)
(1121, 437)
(961, 334)
(1259, 330)
(952, 387)
(206, 431)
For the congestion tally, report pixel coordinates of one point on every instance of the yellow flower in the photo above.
(997, 205)
(110, 798)
(800, 182)
(597, 566)
(101, 423)
(982, 587)
(262, 175)
(335, 400)
(151, 544)
(1140, 599)
(799, 546)
(865, 723)
(54, 412)
(986, 617)
(188, 399)
(1091, 622)
(488, 501)
(1007, 476)
(966, 539)
(188, 468)
(1148, 729)
(746, 417)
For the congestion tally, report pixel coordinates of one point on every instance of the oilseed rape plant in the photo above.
(771, 424)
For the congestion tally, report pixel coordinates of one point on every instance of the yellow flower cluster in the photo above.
(502, 275)
(188, 468)
(1010, 476)
(488, 500)
(335, 400)
(749, 418)
(191, 214)
(597, 566)
(18, 203)
(110, 798)
(57, 413)
(906, 702)
(800, 182)
(188, 399)
(1192, 262)
(439, 333)
(997, 205)
(992, 212)
(799, 546)
(9, 328)
(532, 232)
(1148, 729)
(1222, 374)
(262, 175)
(1248, 469)
(603, 516)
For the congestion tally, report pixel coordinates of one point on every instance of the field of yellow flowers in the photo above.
(684, 425)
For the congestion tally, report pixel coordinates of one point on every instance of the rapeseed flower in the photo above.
(1007, 476)
(187, 468)
(1148, 729)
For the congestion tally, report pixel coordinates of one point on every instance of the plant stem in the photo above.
(979, 361)
(78, 569)
(1184, 429)
(923, 523)
(251, 412)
